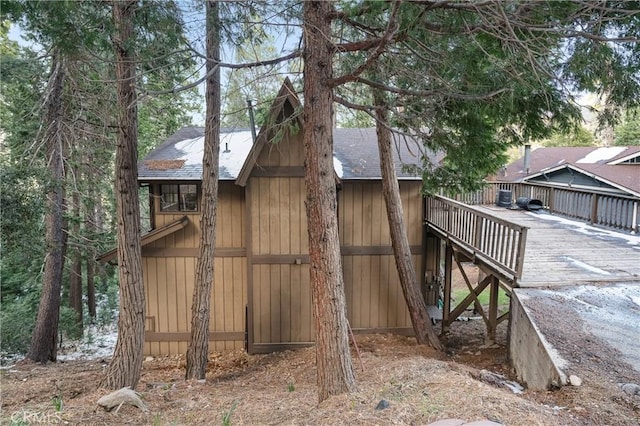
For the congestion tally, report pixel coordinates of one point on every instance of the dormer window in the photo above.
(179, 198)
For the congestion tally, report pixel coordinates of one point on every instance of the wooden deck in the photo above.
(517, 248)
(564, 252)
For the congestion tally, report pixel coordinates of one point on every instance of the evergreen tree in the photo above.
(198, 350)
(126, 365)
(627, 133)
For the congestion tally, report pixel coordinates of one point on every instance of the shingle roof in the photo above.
(355, 155)
(601, 162)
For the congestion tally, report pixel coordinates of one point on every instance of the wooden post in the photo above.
(446, 308)
(522, 243)
(634, 219)
(478, 236)
(493, 311)
(594, 209)
(552, 200)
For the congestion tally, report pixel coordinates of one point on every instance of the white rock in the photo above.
(148, 359)
(575, 380)
(630, 389)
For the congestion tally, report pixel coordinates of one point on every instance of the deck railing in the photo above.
(597, 208)
(498, 242)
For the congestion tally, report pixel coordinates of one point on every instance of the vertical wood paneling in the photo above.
(377, 285)
(169, 281)
(279, 228)
(265, 304)
(374, 295)
(226, 296)
(216, 315)
(274, 217)
(238, 298)
(163, 319)
(358, 213)
(224, 218)
(284, 214)
(171, 303)
(286, 321)
(182, 303)
(276, 303)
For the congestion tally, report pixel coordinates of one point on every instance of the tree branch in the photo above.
(292, 55)
(387, 37)
(429, 93)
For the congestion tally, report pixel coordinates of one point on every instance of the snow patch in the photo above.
(587, 229)
(238, 145)
(337, 165)
(234, 148)
(585, 266)
(635, 299)
(191, 150)
(601, 154)
(97, 343)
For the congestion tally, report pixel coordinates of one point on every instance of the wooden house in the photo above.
(600, 185)
(261, 296)
(613, 170)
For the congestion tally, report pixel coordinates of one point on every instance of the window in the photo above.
(178, 198)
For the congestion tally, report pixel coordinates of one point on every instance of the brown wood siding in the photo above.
(169, 279)
(169, 287)
(281, 307)
(374, 295)
(281, 294)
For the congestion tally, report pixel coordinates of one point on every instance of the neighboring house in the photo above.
(261, 283)
(611, 170)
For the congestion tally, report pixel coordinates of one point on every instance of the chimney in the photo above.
(527, 158)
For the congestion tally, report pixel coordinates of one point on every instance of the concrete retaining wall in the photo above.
(533, 358)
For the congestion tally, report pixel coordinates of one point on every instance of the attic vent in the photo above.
(164, 164)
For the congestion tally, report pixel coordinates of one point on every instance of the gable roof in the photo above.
(287, 94)
(610, 165)
(179, 158)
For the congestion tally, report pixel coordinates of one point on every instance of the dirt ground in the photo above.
(419, 385)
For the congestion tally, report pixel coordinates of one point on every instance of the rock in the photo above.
(630, 389)
(575, 380)
(458, 422)
(148, 359)
(122, 396)
(382, 404)
(448, 422)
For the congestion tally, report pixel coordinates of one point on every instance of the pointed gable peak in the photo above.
(284, 110)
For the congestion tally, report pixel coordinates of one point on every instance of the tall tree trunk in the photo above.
(75, 273)
(198, 349)
(333, 358)
(45, 334)
(91, 285)
(398, 230)
(90, 215)
(98, 224)
(126, 364)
